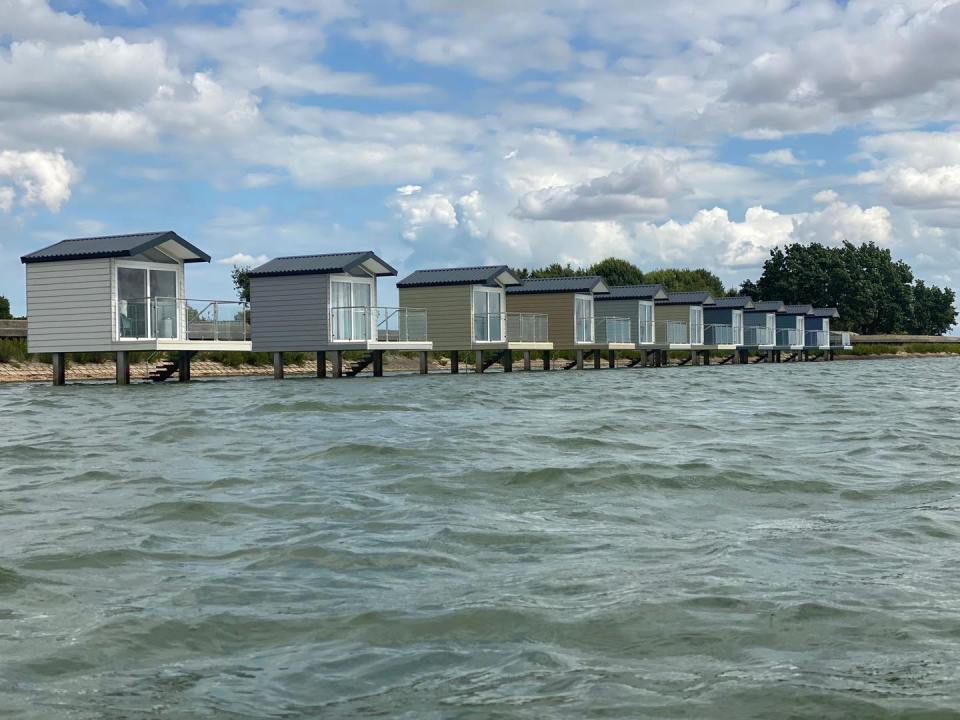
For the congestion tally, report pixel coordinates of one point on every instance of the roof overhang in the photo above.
(169, 242)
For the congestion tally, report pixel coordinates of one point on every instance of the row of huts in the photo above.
(128, 293)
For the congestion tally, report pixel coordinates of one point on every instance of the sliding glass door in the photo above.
(583, 319)
(147, 305)
(487, 315)
(350, 310)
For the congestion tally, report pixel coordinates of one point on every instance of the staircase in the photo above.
(570, 365)
(491, 361)
(358, 366)
(163, 370)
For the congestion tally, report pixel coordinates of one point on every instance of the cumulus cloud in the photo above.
(242, 258)
(782, 156)
(36, 178)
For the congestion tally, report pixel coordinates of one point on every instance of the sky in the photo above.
(441, 133)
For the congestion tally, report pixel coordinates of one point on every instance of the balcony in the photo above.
(722, 335)
(755, 336)
(367, 323)
(789, 338)
(646, 332)
(840, 340)
(817, 339)
(681, 333)
(613, 330)
(526, 327)
(168, 318)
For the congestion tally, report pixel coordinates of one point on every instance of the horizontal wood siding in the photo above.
(449, 313)
(717, 316)
(620, 308)
(69, 306)
(558, 307)
(755, 319)
(671, 313)
(289, 313)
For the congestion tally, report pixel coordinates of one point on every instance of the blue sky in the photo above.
(440, 133)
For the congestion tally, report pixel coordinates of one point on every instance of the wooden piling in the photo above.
(378, 363)
(611, 358)
(183, 365)
(123, 367)
(526, 360)
(478, 365)
(597, 360)
(424, 357)
(59, 368)
(579, 359)
(506, 360)
(546, 360)
(337, 363)
(278, 366)
(454, 362)
(321, 363)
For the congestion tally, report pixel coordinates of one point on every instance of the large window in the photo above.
(487, 315)
(583, 319)
(351, 312)
(646, 323)
(147, 303)
(696, 325)
(737, 327)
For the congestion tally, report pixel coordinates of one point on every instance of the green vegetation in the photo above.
(874, 293)
(5, 309)
(617, 271)
(686, 280)
(241, 281)
(910, 348)
(13, 350)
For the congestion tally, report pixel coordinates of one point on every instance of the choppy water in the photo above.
(723, 542)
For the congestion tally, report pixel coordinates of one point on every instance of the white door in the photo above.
(646, 323)
(696, 325)
(487, 315)
(583, 319)
(738, 327)
(351, 312)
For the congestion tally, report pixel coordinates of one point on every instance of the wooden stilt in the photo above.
(424, 367)
(123, 367)
(278, 366)
(579, 359)
(597, 359)
(183, 365)
(337, 363)
(378, 363)
(506, 360)
(612, 358)
(321, 363)
(526, 360)
(454, 362)
(706, 357)
(546, 360)
(478, 364)
(59, 368)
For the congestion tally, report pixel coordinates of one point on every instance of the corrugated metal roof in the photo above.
(826, 312)
(576, 284)
(633, 292)
(688, 298)
(741, 302)
(112, 246)
(480, 275)
(768, 306)
(798, 309)
(320, 264)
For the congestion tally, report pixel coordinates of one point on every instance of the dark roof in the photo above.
(482, 275)
(688, 298)
(741, 302)
(110, 246)
(634, 292)
(768, 306)
(576, 284)
(320, 264)
(798, 309)
(826, 312)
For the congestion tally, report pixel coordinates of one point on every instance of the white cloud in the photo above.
(782, 156)
(825, 196)
(38, 178)
(242, 258)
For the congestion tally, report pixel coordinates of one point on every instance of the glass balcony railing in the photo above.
(380, 324)
(722, 335)
(613, 330)
(840, 339)
(646, 332)
(817, 339)
(527, 327)
(789, 338)
(183, 319)
(583, 326)
(677, 333)
(756, 336)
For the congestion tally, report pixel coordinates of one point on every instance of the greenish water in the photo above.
(720, 542)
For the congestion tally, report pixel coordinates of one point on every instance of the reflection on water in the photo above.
(721, 542)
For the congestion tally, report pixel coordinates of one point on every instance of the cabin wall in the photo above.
(717, 316)
(69, 306)
(755, 319)
(815, 323)
(289, 313)
(449, 313)
(559, 309)
(626, 308)
(670, 313)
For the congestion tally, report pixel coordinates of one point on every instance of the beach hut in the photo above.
(637, 303)
(328, 304)
(724, 325)
(791, 329)
(760, 327)
(817, 331)
(125, 293)
(680, 324)
(569, 303)
(467, 310)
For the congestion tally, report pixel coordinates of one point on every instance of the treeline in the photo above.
(5, 309)
(874, 293)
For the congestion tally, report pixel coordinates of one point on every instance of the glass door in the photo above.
(132, 296)
(583, 319)
(163, 293)
(738, 327)
(646, 323)
(696, 325)
(350, 316)
(487, 315)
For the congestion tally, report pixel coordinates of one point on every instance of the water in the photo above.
(722, 542)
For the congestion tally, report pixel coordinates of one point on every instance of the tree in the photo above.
(933, 311)
(616, 271)
(684, 280)
(5, 309)
(241, 281)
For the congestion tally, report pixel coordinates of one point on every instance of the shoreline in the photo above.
(41, 372)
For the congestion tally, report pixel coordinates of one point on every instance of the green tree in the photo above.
(933, 311)
(616, 271)
(684, 280)
(241, 281)
(5, 309)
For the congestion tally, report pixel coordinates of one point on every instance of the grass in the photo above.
(913, 348)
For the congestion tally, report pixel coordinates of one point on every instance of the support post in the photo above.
(183, 367)
(59, 368)
(579, 359)
(321, 363)
(526, 360)
(123, 367)
(506, 360)
(338, 363)
(278, 366)
(546, 360)
(706, 357)
(596, 359)
(694, 357)
(478, 365)
(454, 362)
(423, 362)
(378, 363)
(611, 358)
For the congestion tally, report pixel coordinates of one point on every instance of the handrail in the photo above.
(357, 323)
(174, 318)
(613, 329)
